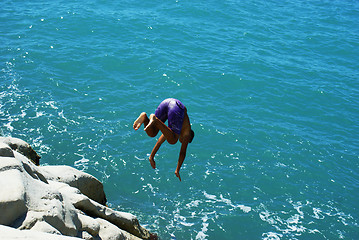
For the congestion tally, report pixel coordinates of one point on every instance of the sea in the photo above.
(272, 93)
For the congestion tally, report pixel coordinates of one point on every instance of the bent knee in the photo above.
(172, 140)
(152, 132)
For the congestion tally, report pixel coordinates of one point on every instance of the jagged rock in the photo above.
(86, 183)
(89, 225)
(112, 232)
(33, 200)
(56, 200)
(12, 191)
(42, 226)
(5, 150)
(10, 233)
(123, 220)
(22, 147)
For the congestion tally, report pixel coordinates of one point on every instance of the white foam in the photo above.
(83, 162)
(51, 104)
(186, 224)
(138, 158)
(193, 203)
(271, 236)
(209, 196)
(8, 126)
(222, 199)
(201, 235)
(39, 114)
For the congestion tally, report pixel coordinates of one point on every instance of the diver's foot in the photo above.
(138, 122)
(152, 121)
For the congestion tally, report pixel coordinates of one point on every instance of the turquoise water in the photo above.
(271, 88)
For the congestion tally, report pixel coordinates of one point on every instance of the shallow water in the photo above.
(271, 90)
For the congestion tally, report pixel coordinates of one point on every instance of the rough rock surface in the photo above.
(39, 200)
(22, 147)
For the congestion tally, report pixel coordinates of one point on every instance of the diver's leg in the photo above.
(156, 123)
(150, 130)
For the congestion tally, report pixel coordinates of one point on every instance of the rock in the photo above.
(42, 226)
(111, 232)
(5, 150)
(87, 236)
(86, 183)
(122, 220)
(30, 168)
(12, 193)
(89, 225)
(22, 147)
(33, 200)
(10, 233)
(47, 202)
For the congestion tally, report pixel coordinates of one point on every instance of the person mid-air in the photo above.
(179, 128)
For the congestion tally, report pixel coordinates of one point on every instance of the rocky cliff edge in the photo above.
(55, 202)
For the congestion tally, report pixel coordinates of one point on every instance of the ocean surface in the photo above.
(271, 88)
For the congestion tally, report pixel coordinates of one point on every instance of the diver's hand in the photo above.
(152, 161)
(178, 175)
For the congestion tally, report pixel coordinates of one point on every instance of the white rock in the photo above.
(12, 191)
(123, 220)
(42, 226)
(109, 231)
(10, 233)
(85, 235)
(5, 150)
(89, 225)
(56, 200)
(22, 147)
(86, 183)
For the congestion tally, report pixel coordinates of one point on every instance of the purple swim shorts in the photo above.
(173, 110)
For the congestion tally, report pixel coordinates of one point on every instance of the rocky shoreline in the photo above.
(55, 202)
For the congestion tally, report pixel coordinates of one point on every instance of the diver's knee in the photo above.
(172, 140)
(152, 132)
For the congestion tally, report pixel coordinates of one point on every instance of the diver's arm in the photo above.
(159, 142)
(181, 158)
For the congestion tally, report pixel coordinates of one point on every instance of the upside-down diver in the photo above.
(179, 128)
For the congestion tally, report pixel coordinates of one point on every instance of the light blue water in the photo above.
(271, 88)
